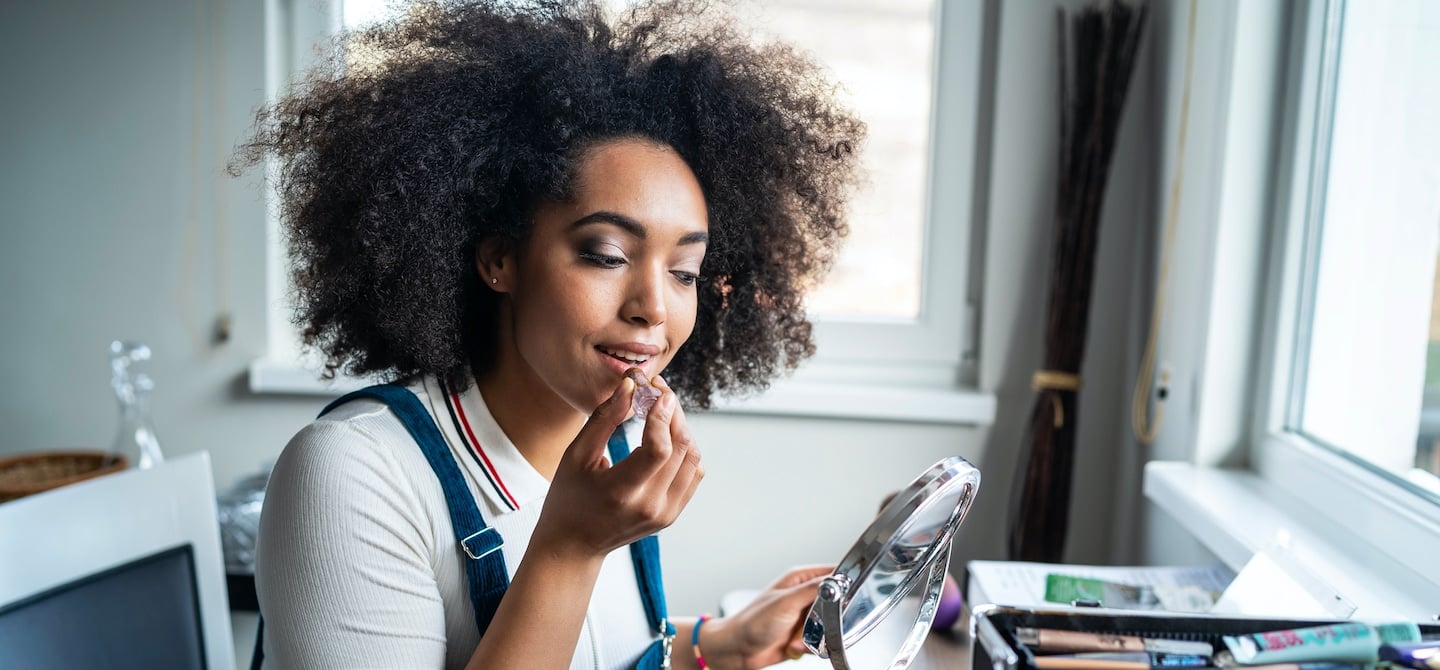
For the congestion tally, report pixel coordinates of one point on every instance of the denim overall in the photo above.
(485, 570)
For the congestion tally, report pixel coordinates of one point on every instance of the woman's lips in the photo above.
(620, 365)
(634, 351)
(622, 357)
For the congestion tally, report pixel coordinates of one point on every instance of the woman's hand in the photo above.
(594, 507)
(767, 631)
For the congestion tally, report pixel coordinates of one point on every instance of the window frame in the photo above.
(932, 349)
(1236, 481)
(292, 29)
(1374, 510)
(922, 370)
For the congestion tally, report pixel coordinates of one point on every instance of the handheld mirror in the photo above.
(892, 577)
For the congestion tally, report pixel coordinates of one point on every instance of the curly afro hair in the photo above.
(417, 139)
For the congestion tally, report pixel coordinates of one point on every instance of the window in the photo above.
(887, 81)
(1374, 226)
(895, 308)
(1354, 386)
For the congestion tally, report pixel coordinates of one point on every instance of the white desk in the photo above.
(942, 651)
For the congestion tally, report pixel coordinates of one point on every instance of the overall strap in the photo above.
(486, 568)
(645, 554)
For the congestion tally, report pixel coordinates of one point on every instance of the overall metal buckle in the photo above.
(667, 643)
(465, 544)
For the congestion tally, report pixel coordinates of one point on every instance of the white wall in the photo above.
(1208, 338)
(100, 175)
(1021, 199)
(100, 179)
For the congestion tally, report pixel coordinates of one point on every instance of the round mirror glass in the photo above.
(891, 578)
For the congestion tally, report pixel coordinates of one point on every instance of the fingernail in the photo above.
(626, 386)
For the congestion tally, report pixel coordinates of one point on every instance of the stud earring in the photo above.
(494, 280)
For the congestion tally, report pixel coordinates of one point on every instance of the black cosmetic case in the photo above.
(995, 647)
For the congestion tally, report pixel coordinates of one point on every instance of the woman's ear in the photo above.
(496, 265)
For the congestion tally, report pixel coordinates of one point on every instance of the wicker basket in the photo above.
(30, 473)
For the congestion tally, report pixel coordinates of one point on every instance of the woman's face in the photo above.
(607, 281)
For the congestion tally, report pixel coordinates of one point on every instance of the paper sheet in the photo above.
(1271, 585)
(1022, 584)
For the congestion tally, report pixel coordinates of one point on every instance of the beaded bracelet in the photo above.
(695, 641)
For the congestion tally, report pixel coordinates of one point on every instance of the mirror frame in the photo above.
(823, 632)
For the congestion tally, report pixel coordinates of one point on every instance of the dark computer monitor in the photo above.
(119, 571)
(144, 614)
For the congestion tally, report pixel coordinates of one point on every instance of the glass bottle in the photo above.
(136, 436)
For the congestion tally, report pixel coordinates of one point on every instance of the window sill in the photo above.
(1236, 513)
(786, 397)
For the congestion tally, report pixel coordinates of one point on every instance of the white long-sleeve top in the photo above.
(357, 565)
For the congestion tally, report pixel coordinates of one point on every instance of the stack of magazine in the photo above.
(1170, 588)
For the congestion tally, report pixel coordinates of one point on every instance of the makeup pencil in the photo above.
(1052, 640)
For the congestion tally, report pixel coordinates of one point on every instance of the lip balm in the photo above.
(645, 393)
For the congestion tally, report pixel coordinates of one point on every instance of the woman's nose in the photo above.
(645, 304)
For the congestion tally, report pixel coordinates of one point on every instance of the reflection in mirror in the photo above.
(876, 608)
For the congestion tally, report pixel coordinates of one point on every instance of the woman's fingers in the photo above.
(666, 485)
(672, 478)
(770, 627)
(658, 421)
(652, 485)
(654, 450)
(802, 575)
(798, 598)
(684, 465)
(687, 478)
(690, 489)
(613, 504)
(686, 470)
(679, 427)
(588, 448)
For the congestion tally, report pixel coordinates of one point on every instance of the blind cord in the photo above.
(1147, 429)
(207, 86)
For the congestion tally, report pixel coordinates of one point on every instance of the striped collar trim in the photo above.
(498, 469)
(460, 422)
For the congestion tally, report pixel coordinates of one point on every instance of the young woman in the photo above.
(505, 207)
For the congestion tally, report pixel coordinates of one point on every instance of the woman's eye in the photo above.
(602, 260)
(686, 278)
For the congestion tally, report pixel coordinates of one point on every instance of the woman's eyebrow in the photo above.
(634, 227)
